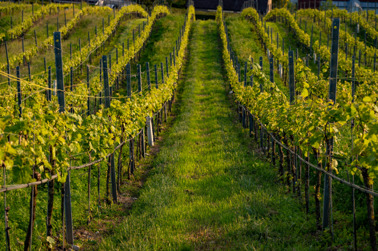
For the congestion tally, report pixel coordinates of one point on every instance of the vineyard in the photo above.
(145, 128)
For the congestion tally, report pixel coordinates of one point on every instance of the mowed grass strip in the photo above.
(208, 190)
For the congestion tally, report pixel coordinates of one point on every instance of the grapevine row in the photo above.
(13, 6)
(308, 123)
(345, 38)
(66, 134)
(28, 23)
(367, 79)
(315, 132)
(355, 17)
(38, 83)
(27, 55)
(57, 139)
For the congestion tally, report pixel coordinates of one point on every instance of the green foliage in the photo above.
(321, 118)
(96, 141)
(367, 78)
(48, 42)
(69, 134)
(21, 28)
(298, 120)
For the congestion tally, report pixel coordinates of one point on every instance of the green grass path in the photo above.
(207, 188)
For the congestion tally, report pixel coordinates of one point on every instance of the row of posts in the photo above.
(332, 96)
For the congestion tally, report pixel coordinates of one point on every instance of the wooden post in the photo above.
(134, 39)
(71, 77)
(291, 77)
(239, 70)
(148, 75)
(107, 105)
(19, 97)
(245, 73)
(271, 69)
(59, 70)
(117, 55)
(132, 161)
(113, 178)
(61, 99)
(88, 91)
(106, 81)
(166, 66)
(29, 72)
(143, 144)
(71, 49)
(174, 57)
(156, 77)
(128, 80)
(162, 72)
(150, 135)
(332, 96)
(100, 70)
(139, 79)
(49, 85)
(68, 210)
